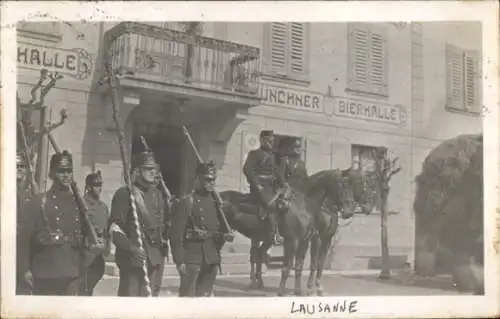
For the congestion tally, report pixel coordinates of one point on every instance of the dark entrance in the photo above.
(168, 146)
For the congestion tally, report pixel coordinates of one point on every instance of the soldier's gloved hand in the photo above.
(229, 237)
(182, 269)
(138, 256)
(28, 278)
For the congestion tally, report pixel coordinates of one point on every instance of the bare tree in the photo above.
(385, 168)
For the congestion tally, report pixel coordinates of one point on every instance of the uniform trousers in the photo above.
(66, 286)
(198, 281)
(93, 274)
(132, 280)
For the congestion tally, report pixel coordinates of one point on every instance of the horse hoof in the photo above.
(319, 293)
(254, 285)
(298, 293)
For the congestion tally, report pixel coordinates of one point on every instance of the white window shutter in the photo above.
(297, 40)
(378, 61)
(359, 57)
(454, 77)
(472, 78)
(279, 47)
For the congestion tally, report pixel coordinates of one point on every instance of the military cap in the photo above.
(61, 160)
(145, 158)
(266, 133)
(207, 168)
(93, 179)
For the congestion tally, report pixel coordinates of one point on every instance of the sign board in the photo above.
(75, 63)
(392, 114)
(292, 99)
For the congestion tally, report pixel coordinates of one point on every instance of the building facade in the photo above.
(343, 88)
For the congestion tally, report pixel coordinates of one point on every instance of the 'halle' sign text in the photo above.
(75, 63)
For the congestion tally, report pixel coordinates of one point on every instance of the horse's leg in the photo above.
(326, 242)
(289, 247)
(315, 244)
(253, 260)
(300, 255)
(261, 251)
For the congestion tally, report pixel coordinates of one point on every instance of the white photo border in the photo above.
(386, 306)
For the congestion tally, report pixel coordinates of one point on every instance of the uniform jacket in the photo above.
(51, 260)
(98, 214)
(152, 223)
(293, 171)
(260, 163)
(204, 214)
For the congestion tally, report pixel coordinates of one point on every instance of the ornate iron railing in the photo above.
(178, 57)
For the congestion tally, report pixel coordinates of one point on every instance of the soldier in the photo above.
(98, 214)
(52, 239)
(261, 171)
(292, 168)
(197, 236)
(151, 211)
(24, 285)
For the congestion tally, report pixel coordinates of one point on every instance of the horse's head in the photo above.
(338, 190)
(363, 194)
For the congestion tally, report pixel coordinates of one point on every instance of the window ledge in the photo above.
(49, 37)
(462, 111)
(305, 82)
(367, 94)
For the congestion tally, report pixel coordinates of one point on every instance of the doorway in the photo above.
(168, 146)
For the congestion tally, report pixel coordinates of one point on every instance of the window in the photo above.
(364, 157)
(49, 31)
(286, 49)
(367, 59)
(462, 80)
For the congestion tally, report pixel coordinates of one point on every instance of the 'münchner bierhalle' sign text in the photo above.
(384, 113)
(292, 99)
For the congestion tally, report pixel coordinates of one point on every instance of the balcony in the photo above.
(178, 59)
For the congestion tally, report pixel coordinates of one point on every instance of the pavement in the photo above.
(334, 283)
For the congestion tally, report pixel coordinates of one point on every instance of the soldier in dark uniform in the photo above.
(151, 210)
(98, 214)
(52, 238)
(292, 168)
(24, 285)
(197, 236)
(261, 171)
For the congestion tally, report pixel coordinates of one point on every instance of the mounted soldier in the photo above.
(292, 169)
(52, 238)
(261, 171)
(98, 214)
(151, 210)
(198, 236)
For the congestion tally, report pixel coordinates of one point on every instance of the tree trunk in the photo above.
(386, 268)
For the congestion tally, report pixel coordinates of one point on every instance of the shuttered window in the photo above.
(462, 79)
(367, 59)
(287, 47)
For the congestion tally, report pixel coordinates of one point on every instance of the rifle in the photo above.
(94, 241)
(113, 83)
(229, 232)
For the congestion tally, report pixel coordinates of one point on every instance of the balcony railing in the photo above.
(181, 58)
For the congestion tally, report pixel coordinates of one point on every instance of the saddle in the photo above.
(247, 205)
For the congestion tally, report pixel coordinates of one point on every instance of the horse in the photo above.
(327, 223)
(297, 225)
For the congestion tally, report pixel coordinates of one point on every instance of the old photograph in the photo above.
(249, 159)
